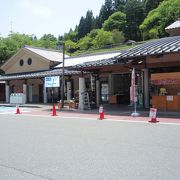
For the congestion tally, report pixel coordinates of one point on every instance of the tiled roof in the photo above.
(54, 72)
(104, 62)
(174, 25)
(155, 47)
(49, 54)
(90, 58)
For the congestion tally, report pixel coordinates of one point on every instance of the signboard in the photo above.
(52, 81)
(165, 81)
(169, 98)
(152, 113)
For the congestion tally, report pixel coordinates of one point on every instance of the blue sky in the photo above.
(40, 17)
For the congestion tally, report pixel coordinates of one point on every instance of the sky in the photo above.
(39, 17)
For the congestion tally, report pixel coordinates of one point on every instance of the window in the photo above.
(29, 61)
(21, 62)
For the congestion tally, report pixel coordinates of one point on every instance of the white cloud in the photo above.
(35, 8)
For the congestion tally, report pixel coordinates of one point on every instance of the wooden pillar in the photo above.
(97, 92)
(146, 88)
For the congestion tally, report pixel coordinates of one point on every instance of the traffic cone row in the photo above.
(152, 114)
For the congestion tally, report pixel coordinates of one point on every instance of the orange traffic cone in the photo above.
(101, 112)
(17, 110)
(54, 111)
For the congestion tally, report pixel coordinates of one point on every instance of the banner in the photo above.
(133, 85)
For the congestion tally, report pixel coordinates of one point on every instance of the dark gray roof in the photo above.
(155, 47)
(54, 72)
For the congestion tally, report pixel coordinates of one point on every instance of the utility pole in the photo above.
(62, 82)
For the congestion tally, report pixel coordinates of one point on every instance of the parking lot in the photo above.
(62, 147)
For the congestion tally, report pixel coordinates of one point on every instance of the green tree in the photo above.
(103, 38)
(86, 24)
(85, 43)
(48, 41)
(150, 5)
(116, 21)
(166, 13)
(71, 46)
(134, 15)
(72, 35)
(94, 33)
(105, 11)
(20, 39)
(118, 5)
(97, 23)
(10, 45)
(4, 54)
(117, 36)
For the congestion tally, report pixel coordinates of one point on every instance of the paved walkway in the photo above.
(112, 112)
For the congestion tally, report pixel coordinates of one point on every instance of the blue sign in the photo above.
(52, 81)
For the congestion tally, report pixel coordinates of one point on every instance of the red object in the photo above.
(153, 120)
(152, 115)
(17, 110)
(101, 116)
(101, 113)
(54, 111)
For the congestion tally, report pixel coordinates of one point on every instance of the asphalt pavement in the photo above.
(64, 148)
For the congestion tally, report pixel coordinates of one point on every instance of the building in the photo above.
(26, 71)
(104, 77)
(174, 28)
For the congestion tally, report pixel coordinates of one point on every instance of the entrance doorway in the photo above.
(41, 93)
(121, 87)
